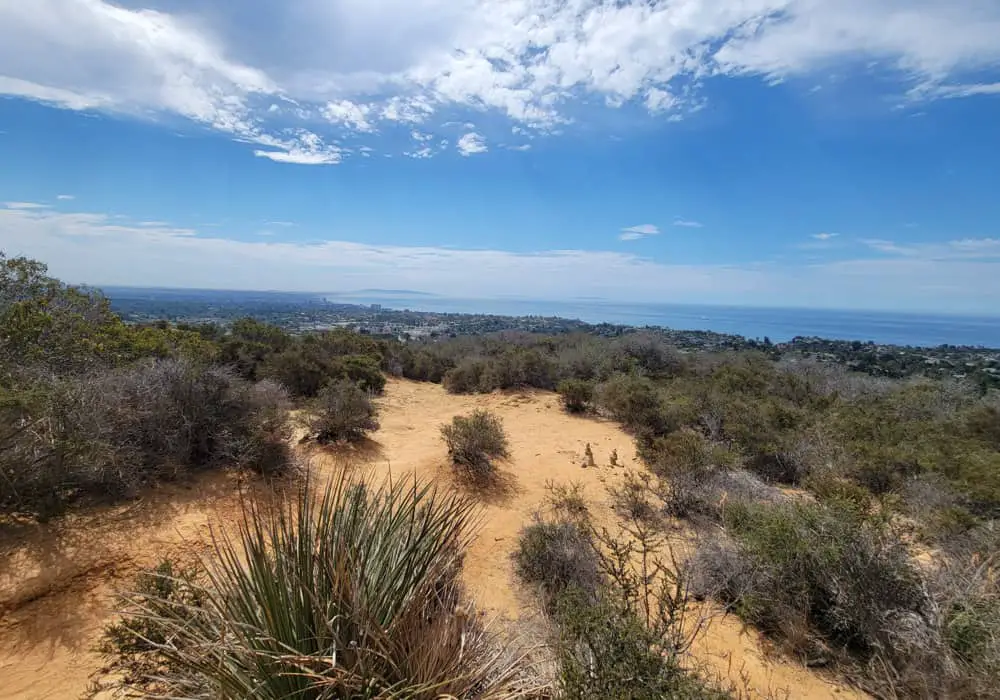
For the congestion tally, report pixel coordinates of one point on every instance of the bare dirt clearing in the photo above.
(57, 580)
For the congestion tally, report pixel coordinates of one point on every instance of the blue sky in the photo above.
(817, 153)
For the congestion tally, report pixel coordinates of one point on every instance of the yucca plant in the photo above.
(349, 593)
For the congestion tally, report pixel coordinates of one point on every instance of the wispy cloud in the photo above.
(965, 248)
(65, 197)
(25, 205)
(824, 236)
(471, 143)
(101, 249)
(634, 233)
(687, 223)
(283, 224)
(954, 91)
(531, 63)
(421, 153)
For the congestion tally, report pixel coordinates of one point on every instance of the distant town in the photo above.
(297, 312)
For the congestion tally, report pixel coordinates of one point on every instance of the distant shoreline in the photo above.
(901, 329)
(905, 329)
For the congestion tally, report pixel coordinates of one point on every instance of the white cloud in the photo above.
(230, 65)
(658, 100)
(951, 91)
(86, 54)
(301, 147)
(100, 249)
(966, 248)
(824, 236)
(283, 224)
(354, 116)
(420, 137)
(65, 197)
(25, 205)
(420, 153)
(634, 233)
(521, 147)
(299, 157)
(412, 110)
(688, 223)
(471, 143)
(990, 246)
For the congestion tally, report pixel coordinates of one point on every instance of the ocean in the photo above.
(920, 330)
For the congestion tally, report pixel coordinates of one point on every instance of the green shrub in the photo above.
(341, 411)
(637, 404)
(556, 556)
(305, 368)
(606, 651)
(576, 394)
(692, 472)
(846, 580)
(424, 365)
(299, 371)
(623, 626)
(464, 378)
(107, 434)
(475, 441)
(351, 593)
(362, 369)
(983, 423)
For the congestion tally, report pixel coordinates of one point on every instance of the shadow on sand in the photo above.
(58, 578)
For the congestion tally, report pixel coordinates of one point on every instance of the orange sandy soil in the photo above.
(57, 580)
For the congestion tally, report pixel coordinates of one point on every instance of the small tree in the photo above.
(576, 394)
(474, 441)
(342, 411)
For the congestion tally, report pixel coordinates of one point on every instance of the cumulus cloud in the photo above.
(248, 69)
(471, 143)
(634, 233)
(354, 116)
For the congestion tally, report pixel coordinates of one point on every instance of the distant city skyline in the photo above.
(775, 153)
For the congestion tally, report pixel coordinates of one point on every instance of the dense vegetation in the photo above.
(94, 408)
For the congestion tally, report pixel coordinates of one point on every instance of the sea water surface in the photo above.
(780, 325)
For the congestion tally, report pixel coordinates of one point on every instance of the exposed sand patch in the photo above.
(56, 581)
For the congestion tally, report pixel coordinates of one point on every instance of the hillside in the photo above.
(57, 580)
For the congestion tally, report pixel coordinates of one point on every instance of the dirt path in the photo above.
(56, 581)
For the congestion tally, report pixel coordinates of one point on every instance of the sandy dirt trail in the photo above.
(57, 581)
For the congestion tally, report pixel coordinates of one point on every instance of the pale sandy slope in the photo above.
(56, 581)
